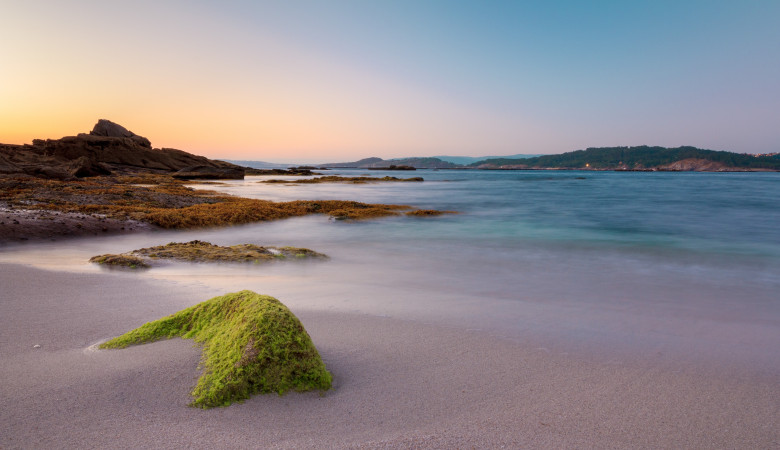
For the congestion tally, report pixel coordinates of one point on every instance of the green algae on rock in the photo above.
(122, 260)
(201, 251)
(252, 344)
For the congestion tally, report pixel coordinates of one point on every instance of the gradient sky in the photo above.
(339, 80)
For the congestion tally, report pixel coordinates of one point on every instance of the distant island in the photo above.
(641, 158)
(379, 163)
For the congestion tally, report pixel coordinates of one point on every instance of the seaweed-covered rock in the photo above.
(251, 344)
(121, 260)
(201, 251)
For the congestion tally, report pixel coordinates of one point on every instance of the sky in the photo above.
(340, 80)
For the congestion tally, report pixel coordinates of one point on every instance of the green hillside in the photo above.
(642, 157)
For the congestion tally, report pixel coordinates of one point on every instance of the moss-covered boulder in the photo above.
(251, 344)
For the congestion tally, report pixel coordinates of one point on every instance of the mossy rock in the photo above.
(201, 251)
(121, 260)
(251, 344)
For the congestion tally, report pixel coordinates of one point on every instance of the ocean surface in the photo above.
(657, 265)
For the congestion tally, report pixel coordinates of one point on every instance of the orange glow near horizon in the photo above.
(329, 80)
(195, 90)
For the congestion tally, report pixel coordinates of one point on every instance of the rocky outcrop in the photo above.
(107, 128)
(82, 167)
(108, 148)
(696, 165)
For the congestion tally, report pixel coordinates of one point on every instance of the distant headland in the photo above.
(641, 158)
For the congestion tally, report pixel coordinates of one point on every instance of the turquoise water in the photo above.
(647, 263)
(729, 213)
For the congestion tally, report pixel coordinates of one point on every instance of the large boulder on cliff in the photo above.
(108, 128)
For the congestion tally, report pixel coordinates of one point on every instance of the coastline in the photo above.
(397, 383)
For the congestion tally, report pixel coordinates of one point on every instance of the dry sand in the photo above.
(397, 384)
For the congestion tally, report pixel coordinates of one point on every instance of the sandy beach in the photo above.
(397, 384)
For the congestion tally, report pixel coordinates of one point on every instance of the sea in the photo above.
(659, 265)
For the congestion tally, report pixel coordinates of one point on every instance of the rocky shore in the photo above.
(112, 181)
(109, 149)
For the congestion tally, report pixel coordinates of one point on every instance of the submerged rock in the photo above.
(428, 212)
(251, 344)
(209, 172)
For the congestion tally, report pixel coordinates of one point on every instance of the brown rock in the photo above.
(108, 148)
(108, 128)
(86, 167)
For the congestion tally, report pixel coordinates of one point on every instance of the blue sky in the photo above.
(342, 79)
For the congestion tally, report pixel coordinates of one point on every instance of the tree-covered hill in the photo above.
(637, 158)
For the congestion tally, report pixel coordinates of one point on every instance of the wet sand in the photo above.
(397, 383)
(18, 225)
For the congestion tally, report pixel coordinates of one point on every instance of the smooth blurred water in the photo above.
(651, 263)
(732, 213)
